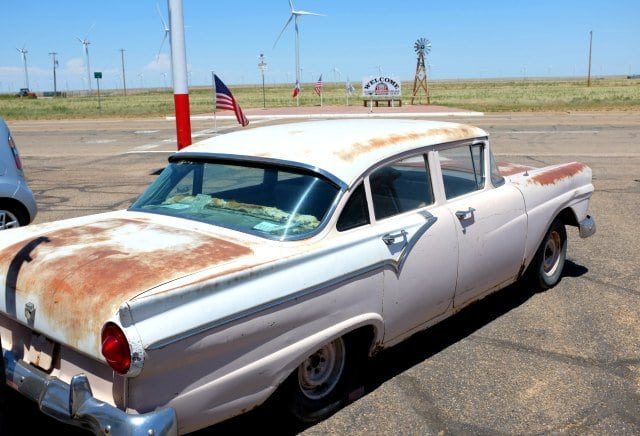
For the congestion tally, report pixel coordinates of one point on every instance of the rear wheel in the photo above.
(320, 385)
(548, 263)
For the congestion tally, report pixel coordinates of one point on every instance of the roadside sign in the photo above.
(97, 75)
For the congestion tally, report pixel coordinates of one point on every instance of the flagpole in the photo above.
(213, 87)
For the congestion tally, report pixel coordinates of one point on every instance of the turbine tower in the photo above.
(23, 51)
(85, 42)
(295, 15)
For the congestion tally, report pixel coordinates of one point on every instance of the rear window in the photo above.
(267, 201)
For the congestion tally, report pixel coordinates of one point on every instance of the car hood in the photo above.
(78, 275)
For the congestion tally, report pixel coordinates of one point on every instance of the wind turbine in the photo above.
(85, 42)
(295, 15)
(336, 74)
(23, 51)
(166, 29)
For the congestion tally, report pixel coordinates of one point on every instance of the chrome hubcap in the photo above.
(8, 220)
(551, 257)
(320, 373)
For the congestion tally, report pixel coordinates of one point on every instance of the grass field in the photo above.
(480, 95)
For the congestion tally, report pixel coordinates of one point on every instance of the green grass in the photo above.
(480, 95)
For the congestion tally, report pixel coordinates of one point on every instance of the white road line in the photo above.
(148, 151)
(100, 141)
(145, 132)
(538, 132)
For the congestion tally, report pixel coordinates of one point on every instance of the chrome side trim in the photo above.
(75, 404)
(587, 227)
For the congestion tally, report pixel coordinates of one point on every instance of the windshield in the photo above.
(267, 201)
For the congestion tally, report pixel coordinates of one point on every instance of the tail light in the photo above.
(115, 348)
(14, 150)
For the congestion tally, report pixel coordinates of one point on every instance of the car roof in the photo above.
(342, 148)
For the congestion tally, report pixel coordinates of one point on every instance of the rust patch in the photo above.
(81, 275)
(554, 175)
(359, 148)
(509, 169)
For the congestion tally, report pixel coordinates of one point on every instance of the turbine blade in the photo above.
(309, 13)
(291, 5)
(89, 31)
(164, 24)
(79, 39)
(282, 31)
(161, 45)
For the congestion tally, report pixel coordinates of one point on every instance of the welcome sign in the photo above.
(381, 87)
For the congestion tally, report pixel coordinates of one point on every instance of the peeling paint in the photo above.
(450, 133)
(509, 169)
(81, 275)
(555, 174)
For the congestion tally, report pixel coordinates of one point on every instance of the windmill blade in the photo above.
(164, 38)
(282, 31)
(291, 5)
(89, 31)
(80, 39)
(309, 13)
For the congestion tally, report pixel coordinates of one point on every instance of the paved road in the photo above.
(563, 361)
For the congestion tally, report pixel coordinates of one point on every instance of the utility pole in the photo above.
(590, 44)
(124, 80)
(262, 65)
(55, 66)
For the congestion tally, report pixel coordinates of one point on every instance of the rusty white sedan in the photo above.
(273, 259)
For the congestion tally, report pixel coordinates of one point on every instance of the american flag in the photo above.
(296, 90)
(318, 88)
(225, 101)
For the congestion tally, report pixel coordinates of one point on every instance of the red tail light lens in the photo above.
(115, 348)
(16, 155)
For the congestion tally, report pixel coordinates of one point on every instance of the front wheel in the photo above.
(548, 263)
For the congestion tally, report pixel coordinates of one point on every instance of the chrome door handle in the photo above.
(391, 238)
(465, 214)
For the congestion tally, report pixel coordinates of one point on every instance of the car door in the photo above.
(491, 222)
(418, 242)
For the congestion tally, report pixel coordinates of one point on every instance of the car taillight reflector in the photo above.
(14, 150)
(115, 348)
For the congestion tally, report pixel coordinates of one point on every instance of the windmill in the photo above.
(23, 51)
(85, 42)
(295, 15)
(422, 47)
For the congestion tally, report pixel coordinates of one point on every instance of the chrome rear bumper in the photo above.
(587, 227)
(74, 403)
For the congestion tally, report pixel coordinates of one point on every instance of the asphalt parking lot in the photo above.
(562, 361)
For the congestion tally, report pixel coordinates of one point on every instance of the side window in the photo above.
(462, 169)
(496, 177)
(400, 187)
(355, 212)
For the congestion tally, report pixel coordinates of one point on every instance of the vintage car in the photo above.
(272, 259)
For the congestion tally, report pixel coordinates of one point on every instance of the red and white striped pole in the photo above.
(179, 73)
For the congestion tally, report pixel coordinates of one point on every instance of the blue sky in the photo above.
(470, 39)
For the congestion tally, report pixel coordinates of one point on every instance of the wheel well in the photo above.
(568, 218)
(11, 203)
(363, 337)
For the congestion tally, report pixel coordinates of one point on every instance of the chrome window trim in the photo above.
(208, 157)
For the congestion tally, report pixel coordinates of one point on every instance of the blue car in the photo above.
(17, 204)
